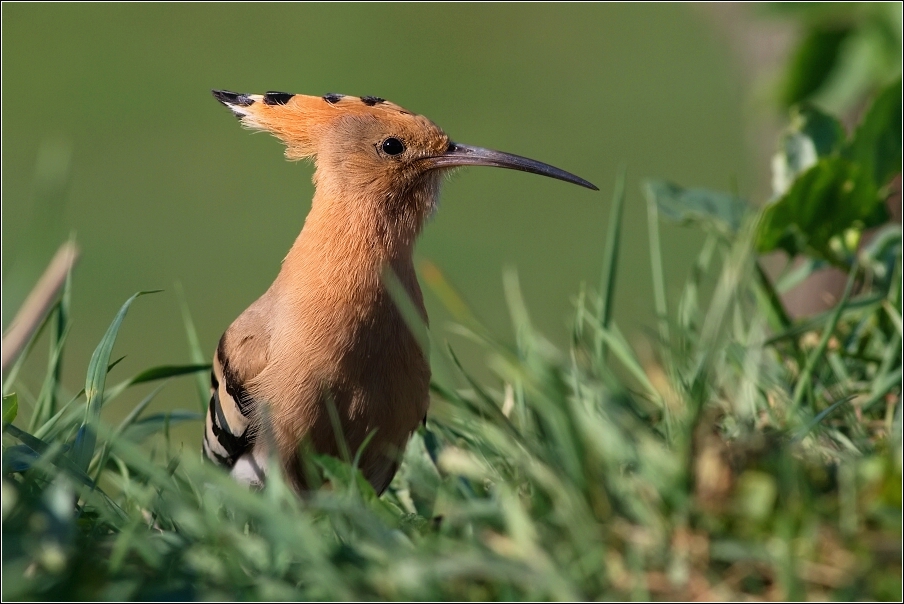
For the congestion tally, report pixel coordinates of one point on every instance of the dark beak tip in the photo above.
(465, 155)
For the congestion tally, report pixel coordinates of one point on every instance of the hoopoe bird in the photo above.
(326, 343)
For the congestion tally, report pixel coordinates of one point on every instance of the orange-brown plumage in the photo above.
(327, 331)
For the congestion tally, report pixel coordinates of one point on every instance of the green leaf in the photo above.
(877, 141)
(341, 473)
(146, 426)
(128, 421)
(138, 409)
(702, 206)
(814, 60)
(811, 135)
(86, 439)
(10, 407)
(42, 448)
(824, 130)
(825, 206)
(156, 373)
(19, 458)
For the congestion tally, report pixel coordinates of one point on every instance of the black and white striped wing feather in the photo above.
(230, 432)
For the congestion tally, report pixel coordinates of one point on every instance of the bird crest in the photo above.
(304, 122)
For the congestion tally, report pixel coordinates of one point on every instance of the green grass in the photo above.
(745, 455)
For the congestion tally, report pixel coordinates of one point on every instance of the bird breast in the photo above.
(338, 339)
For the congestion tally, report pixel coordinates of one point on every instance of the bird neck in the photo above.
(353, 230)
(347, 243)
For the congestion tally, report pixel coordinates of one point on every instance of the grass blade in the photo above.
(610, 260)
(658, 274)
(194, 348)
(26, 351)
(10, 408)
(777, 315)
(46, 405)
(803, 380)
(37, 305)
(156, 373)
(39, 446)
(882, 387)
(821, 416)
(141, 429)
(83, 448)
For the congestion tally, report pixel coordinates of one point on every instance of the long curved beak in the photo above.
(466, 155)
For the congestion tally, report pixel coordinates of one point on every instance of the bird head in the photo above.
(368, 149)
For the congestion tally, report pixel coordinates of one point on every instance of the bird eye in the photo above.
(393, 146)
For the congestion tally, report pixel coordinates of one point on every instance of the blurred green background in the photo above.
(160, 185)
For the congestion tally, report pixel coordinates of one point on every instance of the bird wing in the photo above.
(241, 355)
